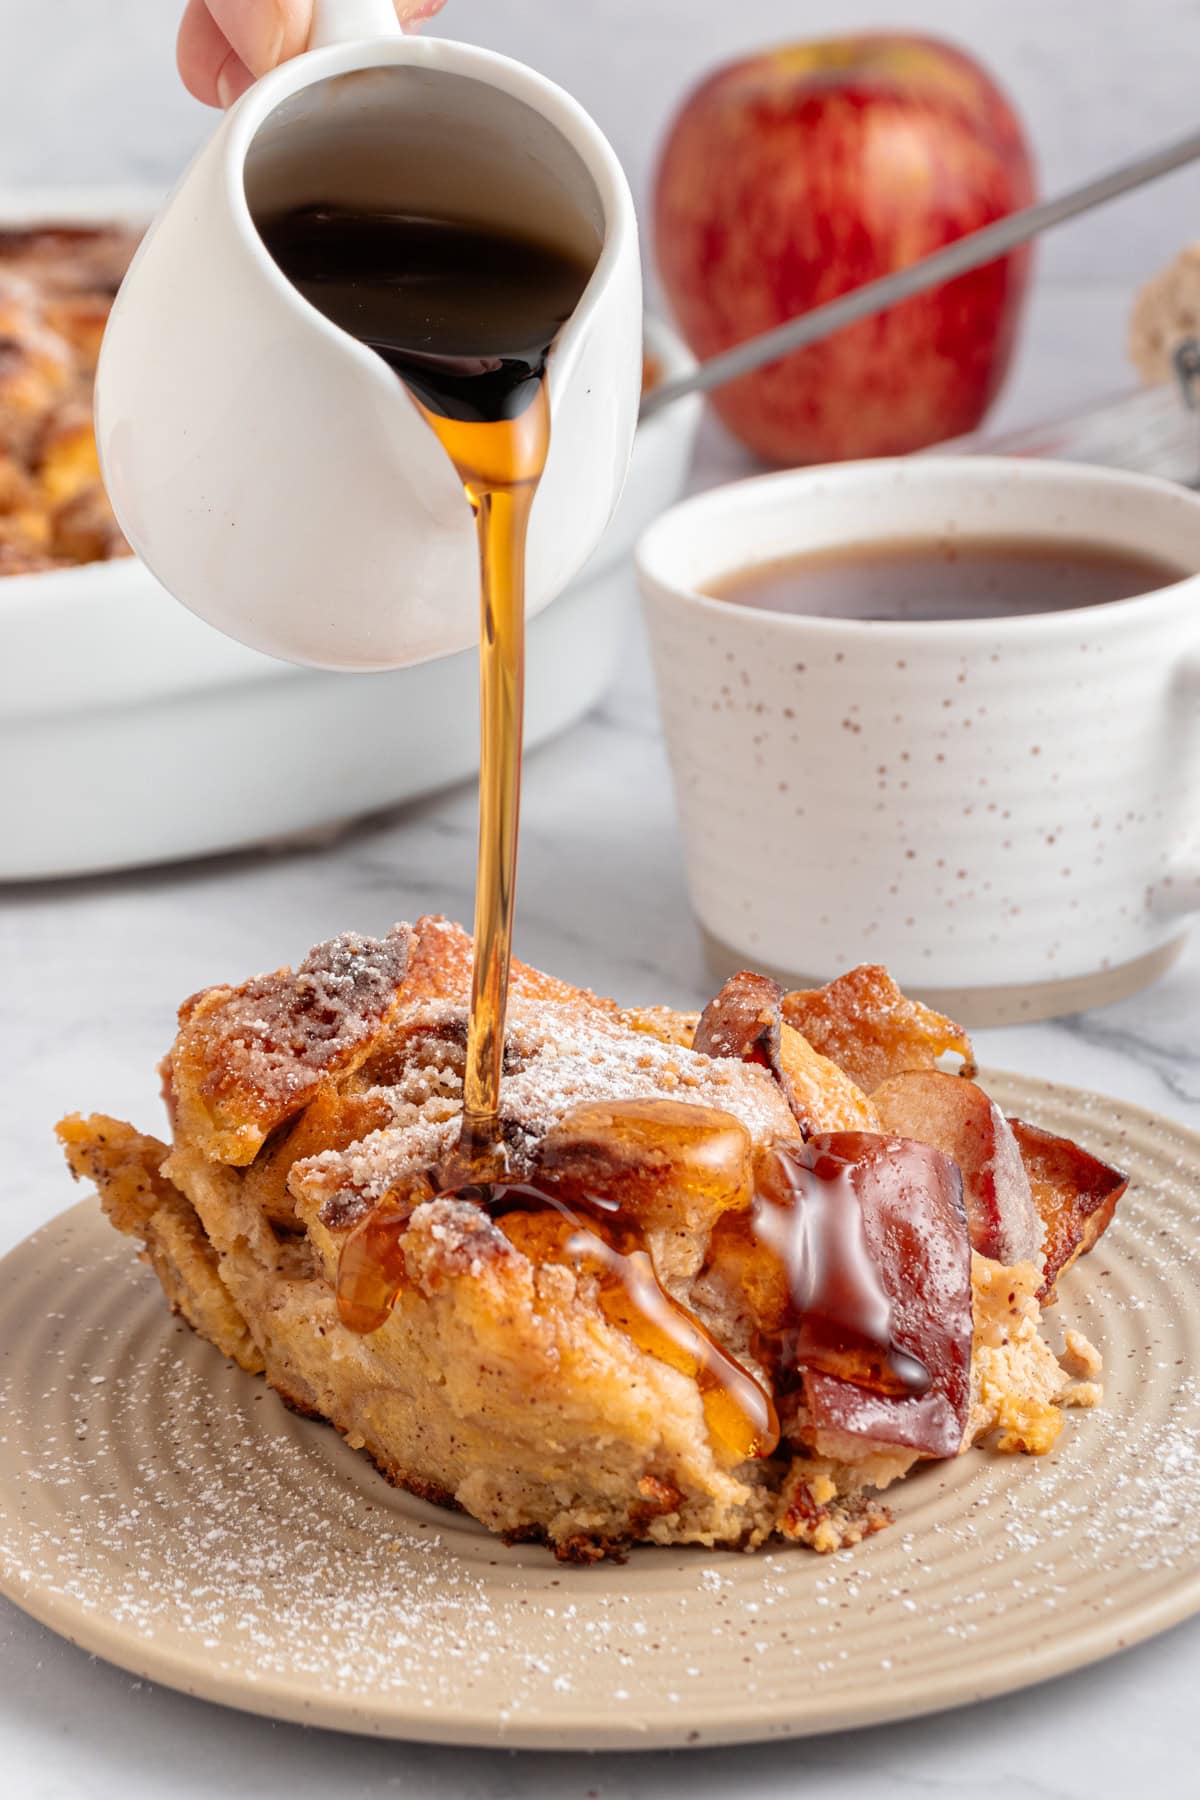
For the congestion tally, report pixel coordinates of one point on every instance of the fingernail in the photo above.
(233, 78)
(273, 53)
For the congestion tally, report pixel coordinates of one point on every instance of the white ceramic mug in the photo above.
(1006, 812)
(268, 468)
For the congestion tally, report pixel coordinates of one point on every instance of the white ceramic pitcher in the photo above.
(271, 470)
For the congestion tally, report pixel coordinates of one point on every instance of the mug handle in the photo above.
(350, 21)
(1177, 893)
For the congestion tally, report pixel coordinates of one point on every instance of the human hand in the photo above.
(224, 45)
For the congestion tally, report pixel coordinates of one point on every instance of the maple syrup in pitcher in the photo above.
(465, 314)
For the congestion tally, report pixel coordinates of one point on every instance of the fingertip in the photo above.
(233, 78)
(200, 50)
(197, 87)
(412, 12)
(264, 33)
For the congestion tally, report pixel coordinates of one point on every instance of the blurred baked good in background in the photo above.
(1166, 314)
(57, 283)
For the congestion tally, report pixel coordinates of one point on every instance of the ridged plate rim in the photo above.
(702, 1587)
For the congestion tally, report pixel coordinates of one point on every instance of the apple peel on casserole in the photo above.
(723, 1294)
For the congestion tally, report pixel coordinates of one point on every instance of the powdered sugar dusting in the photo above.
(274, 1034)
(165, 1509)
(557, 1055)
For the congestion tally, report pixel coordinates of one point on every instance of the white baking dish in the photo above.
(132, 733)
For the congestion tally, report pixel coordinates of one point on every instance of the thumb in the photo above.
(224, 45)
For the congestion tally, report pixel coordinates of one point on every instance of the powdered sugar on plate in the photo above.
(164, 1509)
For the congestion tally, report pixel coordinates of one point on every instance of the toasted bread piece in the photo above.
(126, 1168)
(249, 1058)
(745, 1020)
(864, 1024)
(332, 1120)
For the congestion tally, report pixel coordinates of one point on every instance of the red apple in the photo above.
(805, 171)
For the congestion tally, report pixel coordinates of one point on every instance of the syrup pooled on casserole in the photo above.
(838, 1316)
(790, 1232)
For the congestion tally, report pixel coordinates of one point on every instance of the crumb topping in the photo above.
(246, 1058)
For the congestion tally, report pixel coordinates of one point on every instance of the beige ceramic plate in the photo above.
(162, 1509)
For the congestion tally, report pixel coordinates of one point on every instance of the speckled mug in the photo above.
(1006, 812)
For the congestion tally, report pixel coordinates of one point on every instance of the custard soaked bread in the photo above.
(718, 1295)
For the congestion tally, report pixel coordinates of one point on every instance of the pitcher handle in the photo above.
(350, 21)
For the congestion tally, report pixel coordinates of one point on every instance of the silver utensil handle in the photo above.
(965, 253)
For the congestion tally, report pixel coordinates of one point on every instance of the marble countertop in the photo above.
(93, 968)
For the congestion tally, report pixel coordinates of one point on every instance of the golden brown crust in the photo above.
(439, 968)
(125, 1166)
(126, 1169)
(662, 1022)
(872, 1031)
(332, 1120)
(745, 1021)
(823, 1095)
(249, 1058)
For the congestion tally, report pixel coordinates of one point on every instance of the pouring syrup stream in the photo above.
(465, 314)
(500, 464)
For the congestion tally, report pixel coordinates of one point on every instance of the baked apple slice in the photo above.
(853, 1270)
(956, 1117)
(743, 1020)
(1075, 1193)
(908, 1201)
